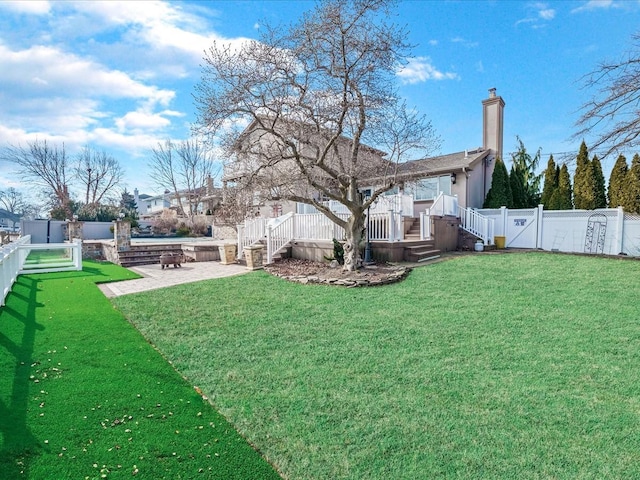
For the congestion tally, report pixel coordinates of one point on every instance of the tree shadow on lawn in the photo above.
(17, 338)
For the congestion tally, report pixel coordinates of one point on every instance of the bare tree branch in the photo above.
(613, 114)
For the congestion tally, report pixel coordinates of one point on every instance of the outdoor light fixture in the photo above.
(453, 177)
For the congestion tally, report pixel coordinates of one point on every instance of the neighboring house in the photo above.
(150, 207)
(9, 222)
(465, 174)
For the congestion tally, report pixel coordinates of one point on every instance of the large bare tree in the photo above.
(47, 166)
(315, 95)
(99, 174)
(613, 113)
(185, 169)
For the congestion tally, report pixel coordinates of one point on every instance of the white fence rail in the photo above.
(14, 261)
(10, 264)
(609, 231)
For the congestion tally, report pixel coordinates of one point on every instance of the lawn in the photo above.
(486, 366)
(84, 396)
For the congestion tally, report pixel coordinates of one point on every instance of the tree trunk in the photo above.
(354, 232)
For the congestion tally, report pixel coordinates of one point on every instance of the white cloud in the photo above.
(161, 26)
(48, 69)
(539, 16)
(34, 7)
(420, 69)
(464, 42)
(595, 5)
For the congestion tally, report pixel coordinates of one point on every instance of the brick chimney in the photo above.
(493, 123)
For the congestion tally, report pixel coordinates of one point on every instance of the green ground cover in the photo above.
(487, 366)
(84, 396)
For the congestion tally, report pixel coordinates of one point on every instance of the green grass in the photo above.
(84, 396)
(488, 366)
(40, 258)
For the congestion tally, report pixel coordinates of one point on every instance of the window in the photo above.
(430, 188)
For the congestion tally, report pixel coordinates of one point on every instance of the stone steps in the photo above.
(146, 254)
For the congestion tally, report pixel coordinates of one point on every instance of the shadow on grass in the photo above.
(17, 346)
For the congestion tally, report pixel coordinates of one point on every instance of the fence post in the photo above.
(269, 243)
(239, 240)
(77, 249)
(503, 216)
(539, 225)
(392, 226)
(620, 231)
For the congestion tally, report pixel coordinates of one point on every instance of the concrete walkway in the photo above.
(155, 277)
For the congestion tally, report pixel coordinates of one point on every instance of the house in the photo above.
(150, 206)
(9, 222)
(465, 174)
(411, 221)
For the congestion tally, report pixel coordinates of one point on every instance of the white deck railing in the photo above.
(477, 224)
(280, 231)
(252, 231)
(444, 205)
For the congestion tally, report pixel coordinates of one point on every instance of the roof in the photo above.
(452, 162)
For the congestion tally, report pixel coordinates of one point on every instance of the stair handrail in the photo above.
(279, 232)
(479, 225)
(251, 232)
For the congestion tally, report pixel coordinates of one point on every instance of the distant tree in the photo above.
(600, 186)
(99, 174)
(550, 181)
(614, 112)
(13, 202)
(129, 207)
(526, 165)
(518, 193)
(44, 165)
(618, 182)
(561, 197)
(184, 168)
(499, 194)
(584, 181)
(632, 191)
(96, 212)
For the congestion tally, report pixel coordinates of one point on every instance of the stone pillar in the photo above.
(253, 255)
(122, 235)
(227, 253)
(74, 230)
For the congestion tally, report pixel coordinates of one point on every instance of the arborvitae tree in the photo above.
(500, 192)
(561, 197)
(550, 181)
(632, 192)
(584, 181)
(618, 182)
(526, 165)
(600, 190)
(518, 193)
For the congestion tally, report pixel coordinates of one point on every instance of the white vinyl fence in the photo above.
(14, 260)
(607, 231)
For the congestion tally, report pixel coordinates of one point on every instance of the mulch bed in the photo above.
(307, 271)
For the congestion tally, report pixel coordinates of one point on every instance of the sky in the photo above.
(120, 76)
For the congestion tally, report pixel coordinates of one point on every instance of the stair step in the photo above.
(424, 259)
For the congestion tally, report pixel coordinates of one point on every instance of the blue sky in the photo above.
(119, 76)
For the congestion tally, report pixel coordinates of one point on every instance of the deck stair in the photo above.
(421, 251)
(414, 231)
(146, 254)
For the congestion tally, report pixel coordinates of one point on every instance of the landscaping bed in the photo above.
(307, 271)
